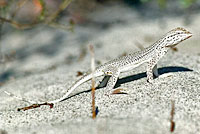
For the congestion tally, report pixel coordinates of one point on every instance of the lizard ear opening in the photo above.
(108, 73)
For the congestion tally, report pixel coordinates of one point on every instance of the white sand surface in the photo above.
(47, 63)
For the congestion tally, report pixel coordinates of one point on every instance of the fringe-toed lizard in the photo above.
(150, 55)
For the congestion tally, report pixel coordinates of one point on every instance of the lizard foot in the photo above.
(150, 81)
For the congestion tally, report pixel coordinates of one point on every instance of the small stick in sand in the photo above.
(91, 48)
(172, 127)
(34, 104)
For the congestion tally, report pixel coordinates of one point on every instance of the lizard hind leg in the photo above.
(113, 72)
(104, 82)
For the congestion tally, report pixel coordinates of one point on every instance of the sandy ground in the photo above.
(47, 61)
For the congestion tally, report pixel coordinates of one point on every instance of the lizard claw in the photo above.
(150, 81)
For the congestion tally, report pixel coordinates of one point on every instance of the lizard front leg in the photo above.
(113, 72)
(152, 64)
(152, 69)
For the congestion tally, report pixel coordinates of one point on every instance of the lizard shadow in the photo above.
(161, 71)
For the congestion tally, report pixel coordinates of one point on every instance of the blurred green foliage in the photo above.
(162, 3)
(44, 11)
(10, 8)
(187, 3)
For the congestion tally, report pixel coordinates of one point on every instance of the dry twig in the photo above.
(93, 81)
(62, 7)
(48, 20)
(172, 127)
(19, 5)
(34, 104)
(18, 25)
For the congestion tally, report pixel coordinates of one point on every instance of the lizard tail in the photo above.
(74, 86)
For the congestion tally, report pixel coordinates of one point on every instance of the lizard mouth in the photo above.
(190, 35)
(171, 46)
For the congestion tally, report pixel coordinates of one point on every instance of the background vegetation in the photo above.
(23, 14)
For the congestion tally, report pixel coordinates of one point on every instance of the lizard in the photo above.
(150, 55)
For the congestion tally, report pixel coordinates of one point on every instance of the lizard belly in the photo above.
(130, 66)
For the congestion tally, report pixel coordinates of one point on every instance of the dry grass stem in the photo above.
(30, 25)
(48, 20)
(91, 48)
(18, 25)
(172, 126)
(19, 5)
(62, 6)
(35, 106)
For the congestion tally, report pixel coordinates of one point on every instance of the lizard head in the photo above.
(176, 36)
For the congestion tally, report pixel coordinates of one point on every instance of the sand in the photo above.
(47, 62)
